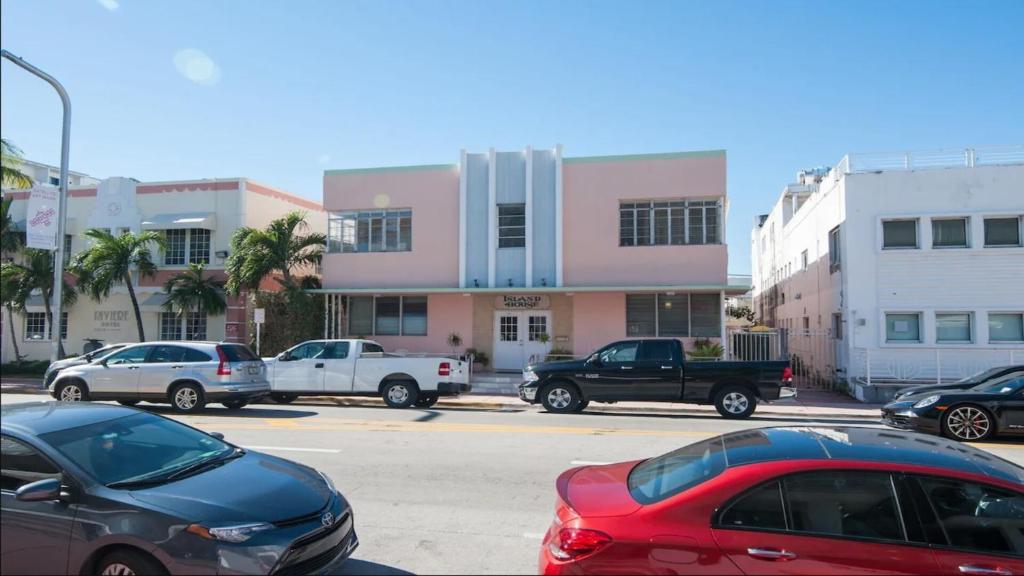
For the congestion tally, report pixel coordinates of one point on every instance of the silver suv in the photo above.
(185, 374)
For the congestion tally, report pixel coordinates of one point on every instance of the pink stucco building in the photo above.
(525, 253)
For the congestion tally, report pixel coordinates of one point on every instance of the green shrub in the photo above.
(704, 349)
(479, 356)
(24, 368)
(558, 354)
(292, 316)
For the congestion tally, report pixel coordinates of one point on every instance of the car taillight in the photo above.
(224, 368)
(445, 369)
(787, 374)
(575, 543)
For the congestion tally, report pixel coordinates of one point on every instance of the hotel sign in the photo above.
(522, 302)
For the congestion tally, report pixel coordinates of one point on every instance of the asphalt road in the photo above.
(459, 491)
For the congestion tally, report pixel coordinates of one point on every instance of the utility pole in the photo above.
(57, 306)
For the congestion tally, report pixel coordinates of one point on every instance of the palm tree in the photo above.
(191, 290)
(10, 239)
(35, 273)
(9, 299)
(10, 161)
(279, 247)
(110, 261)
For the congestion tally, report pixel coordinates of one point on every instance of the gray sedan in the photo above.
(101, 489)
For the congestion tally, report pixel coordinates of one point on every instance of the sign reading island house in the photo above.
(523, 302)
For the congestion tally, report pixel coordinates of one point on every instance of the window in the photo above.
(35, 326)
(1002, 231)
(164, 354)
(759, 508)
(975, 517)
(675, 222)
(170, 326)
(360, 315)
(705, 315)
(806, 323)
(370, 231)
(953, 327)
(640, 311)
(192, 355)
(1004, 327)
(371, 348)
(511, 225)
(195, 326)
(673, 315)
(54, 181)
(537, 325)
(508, 328)
(803, 260)
(414, 315)
(338, 351)
(899, 234)
(387, 315)
(676, 315)
(23, 465)
(132, 355)
(238, 353)
(837, 326)
(903, 327)
(199, 246)
(667, 475)
(949, 233)
(174, 254)
(657, 351)
(619, 352)
(308, 351)
(843, 503)
(67, 249)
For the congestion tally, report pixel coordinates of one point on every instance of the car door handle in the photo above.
(666, 367)
(984, 570)
(319, 365)
(133, 367)
(770, 554)
(625, 367)
(178, 367)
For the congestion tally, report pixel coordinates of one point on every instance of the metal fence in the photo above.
(811, 353)
(927, 364)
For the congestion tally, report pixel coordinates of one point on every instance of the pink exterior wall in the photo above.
(433, 196)
(446, 313)
(592, 191)
(597, 319)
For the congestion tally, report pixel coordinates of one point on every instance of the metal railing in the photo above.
(927, 363)
(928, 159)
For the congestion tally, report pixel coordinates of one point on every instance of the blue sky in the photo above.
(292, 88)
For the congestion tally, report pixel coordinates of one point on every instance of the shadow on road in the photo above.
(247, 412)
(754, 418)
(352, 566)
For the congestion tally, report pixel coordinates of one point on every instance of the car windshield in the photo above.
(1007, 385)
(238, 353)
(672, 473)
(980, 376)
(135, 448)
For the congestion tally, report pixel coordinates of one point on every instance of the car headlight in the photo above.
(529, 375)
(927, 401)
(327, 479)
(234, 533)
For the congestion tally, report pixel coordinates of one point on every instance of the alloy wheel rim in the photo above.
(559, 398)
(186, 398)
(398, 394)
(736, 403)
(968, 423)
(71, 393)
(118, 569)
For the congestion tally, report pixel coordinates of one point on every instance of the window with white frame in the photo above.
(35, 326)
(195, 326)
(675, 315)
(673, 222)
(199, 246)
(903, 327)
(67, 249)
(174, 253)
(834, 254)
(511, 225)
(170, 326)
(899, 234)
(953, 327)
(949, 233)
(1003, 231)
(1005, 327)
(387, 315)
(370, 231)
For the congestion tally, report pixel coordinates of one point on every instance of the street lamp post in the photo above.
(57, 305)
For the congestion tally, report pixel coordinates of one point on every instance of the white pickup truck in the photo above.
(362, 368)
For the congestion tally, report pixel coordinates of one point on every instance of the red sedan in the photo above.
(794, 501)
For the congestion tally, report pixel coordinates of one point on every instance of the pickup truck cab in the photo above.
(362, 368)
(655, 370)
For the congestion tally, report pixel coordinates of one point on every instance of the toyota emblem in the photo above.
(327, 519)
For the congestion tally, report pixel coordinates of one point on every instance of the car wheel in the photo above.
(283, 398)
(187, 398)
(127, 402)
(560, 398)
(400, 394)
(582, 406)
(73, 391)
(128, 563)
(967, 423)
(735, 402)
(235, 404)
(426, 401)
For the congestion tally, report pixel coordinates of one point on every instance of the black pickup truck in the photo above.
(655, 370)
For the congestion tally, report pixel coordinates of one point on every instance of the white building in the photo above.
(897, 267)
(50, 175)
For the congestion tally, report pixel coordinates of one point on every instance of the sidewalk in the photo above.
(808, 403)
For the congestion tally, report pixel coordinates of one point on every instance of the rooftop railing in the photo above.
(929, 159)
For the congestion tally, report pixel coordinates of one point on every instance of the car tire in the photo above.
(127, 402)
(235, 404)
(400, 393)
(187, 398)
(560, 398)
(426, 400)
(283, 398)
(128, 563)
(72, 391)
(735, 402)
(581, 406)
(967, 423)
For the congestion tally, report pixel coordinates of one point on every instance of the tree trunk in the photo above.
(287, 277)
(14, 335)
(54, 329)
(135, 306)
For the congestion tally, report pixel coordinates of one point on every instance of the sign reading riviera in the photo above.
(523, 302)
(41, 216)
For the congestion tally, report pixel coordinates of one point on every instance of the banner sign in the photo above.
(41, 218)
(522, 302)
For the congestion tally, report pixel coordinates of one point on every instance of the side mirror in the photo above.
(594, 359)
(104, 362)
(216, 435)
(39, 491)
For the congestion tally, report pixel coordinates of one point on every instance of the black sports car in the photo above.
(968, 382)
(995, 407)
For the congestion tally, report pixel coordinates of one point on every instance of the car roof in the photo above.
(863, 444)
(35, 418)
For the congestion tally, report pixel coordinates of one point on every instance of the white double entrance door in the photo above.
(517, 338)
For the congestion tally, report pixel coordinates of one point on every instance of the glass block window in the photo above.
(511, 225)
(170, 326)
(199, 246)
(174, 255)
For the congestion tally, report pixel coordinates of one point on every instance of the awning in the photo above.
(153, 302)
(35, 303)
(729, 289)
(206, 220)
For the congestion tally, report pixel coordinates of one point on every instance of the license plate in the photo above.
(254, 370)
